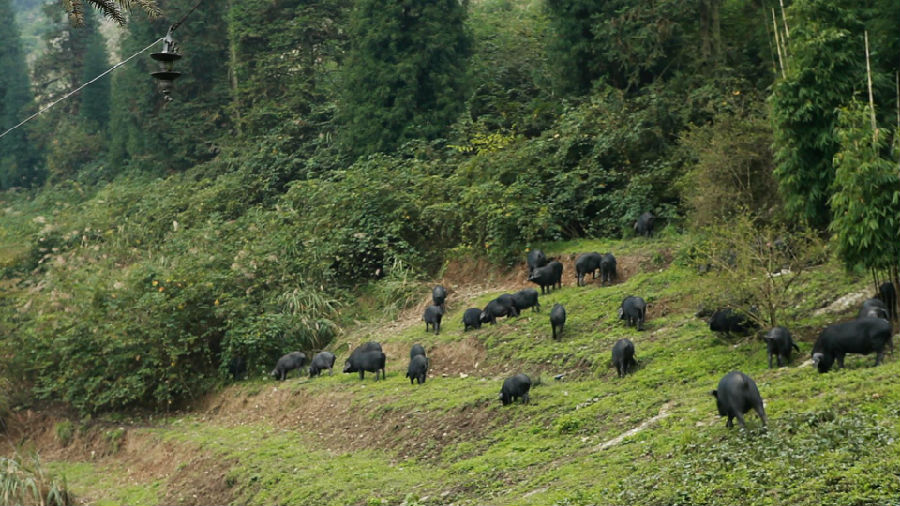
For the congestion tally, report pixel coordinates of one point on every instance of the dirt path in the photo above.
(663, 412)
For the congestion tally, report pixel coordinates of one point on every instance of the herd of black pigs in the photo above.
(736, 393)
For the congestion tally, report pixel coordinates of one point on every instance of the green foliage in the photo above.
(18, 160)
(825, 70)
(95, 98)
(511, 74)
(733, 170)
(282, 56)
(64, 431)
(866, 200)
(404, 76)
(628, 44)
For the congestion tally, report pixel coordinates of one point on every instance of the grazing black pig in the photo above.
(433, 316)
(633, 311)
(607, 268)
(779, 343)
(438, 296)
(547, 276)
(527, 298)
(361, 349)
(623, 356)
(508, 300)
(536, 258)
(863, 335)
(472, 318)
(371, 361)
(418, 369)
(557, 319)
(728, 321)
(584, 264)
(321, 361)
(289, 362)
(736, 395)
(644, 224)
(495, 309)
(514, 388)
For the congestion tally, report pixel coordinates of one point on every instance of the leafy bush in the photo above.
(733, 170)
(754, 266)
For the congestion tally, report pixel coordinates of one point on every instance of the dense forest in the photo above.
(311, 147)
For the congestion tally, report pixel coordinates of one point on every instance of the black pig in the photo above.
(623, 356)
(321, 361)
(736, 395)
(289, 362)
(418, 369)
(472, 318)
(864, 336)
(433, 316)
(557, 319)
(779, 343)
(514, 388)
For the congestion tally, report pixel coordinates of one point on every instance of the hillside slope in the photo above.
(653, 437)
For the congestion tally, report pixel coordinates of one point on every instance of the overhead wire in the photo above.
(76, 90)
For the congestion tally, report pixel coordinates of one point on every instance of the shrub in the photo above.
(732, 173)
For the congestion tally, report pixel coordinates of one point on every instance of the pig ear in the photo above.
(715, 394)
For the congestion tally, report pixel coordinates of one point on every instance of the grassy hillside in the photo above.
(589, 438)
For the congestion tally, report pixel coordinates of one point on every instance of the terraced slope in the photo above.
(589, 438)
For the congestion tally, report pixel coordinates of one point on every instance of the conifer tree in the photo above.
(18, 160)
(94, 98)
(161, 135)
(404, 74)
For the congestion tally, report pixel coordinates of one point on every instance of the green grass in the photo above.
(832, 438)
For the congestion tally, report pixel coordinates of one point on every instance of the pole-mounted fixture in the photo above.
(167, 58)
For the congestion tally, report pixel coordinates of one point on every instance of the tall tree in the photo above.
(162, 135)
(405, 72)
(626, 43)
(282, 53)
(94, 98)
(69, 133)
(73, 56)
(18, 160)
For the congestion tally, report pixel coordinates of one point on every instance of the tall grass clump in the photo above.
(23, 481)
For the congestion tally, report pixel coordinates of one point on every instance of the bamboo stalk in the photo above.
(787, 31)
(871, 97)
(769, 39)
(778, 44)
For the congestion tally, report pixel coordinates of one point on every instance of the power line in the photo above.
(76, 90)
